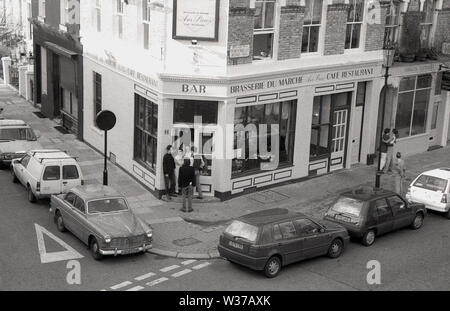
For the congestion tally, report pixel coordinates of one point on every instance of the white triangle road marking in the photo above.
(68, 254)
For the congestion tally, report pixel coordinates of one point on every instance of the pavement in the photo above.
(195, 235)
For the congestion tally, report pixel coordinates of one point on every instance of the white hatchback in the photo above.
(432, 189)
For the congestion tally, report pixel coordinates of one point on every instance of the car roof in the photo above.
(49, 154)
(10, 123)
(367, 193)
(440, 173)
(95, 192)
(269, 216)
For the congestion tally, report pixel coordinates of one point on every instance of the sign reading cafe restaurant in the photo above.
(196, 20)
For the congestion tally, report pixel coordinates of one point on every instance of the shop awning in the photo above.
(60, 50)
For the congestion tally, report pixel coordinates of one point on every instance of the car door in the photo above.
(70, 177)
(288, 241)
(403, 215)
(314, 241)
(385, 221)
(67, 205)
(51, 178)
(79, 218)
(20, 169)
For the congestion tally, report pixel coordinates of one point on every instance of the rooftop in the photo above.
(95, 192)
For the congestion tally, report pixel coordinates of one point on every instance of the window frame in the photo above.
(97, 97)
(427, 24)
(392, 12)
(266, 30)
(353, 23)
(320, 32)
(98, 15)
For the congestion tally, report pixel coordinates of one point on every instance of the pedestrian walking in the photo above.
(399, 173)
(198, 164)
(169, 172)
(186, 181)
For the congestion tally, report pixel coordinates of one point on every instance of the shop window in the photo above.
(283, 114)
(311, 26)
(412, 107)
(434, 117)
(354, 24)
(392, 23)
(321, 124)
(98, 15)
(186, 110)
(263, 30)
(97, 93)
(146, 132)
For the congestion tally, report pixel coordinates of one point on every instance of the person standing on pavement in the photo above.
(186, 181)
(399, 173)
(384, 148)
(169, 172)
(198, 164)
(178, 163)
(389, 138)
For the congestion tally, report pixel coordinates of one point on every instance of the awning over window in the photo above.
(60, 50)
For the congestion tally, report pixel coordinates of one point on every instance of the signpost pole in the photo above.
(105, 120)
(105, 170)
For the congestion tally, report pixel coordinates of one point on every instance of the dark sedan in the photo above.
(270, 239)
(367, 213)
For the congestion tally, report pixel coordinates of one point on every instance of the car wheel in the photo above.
(417, 222)
(60, 222)
(447, 214)
(31, 196)
(273, 267)
(336, 248)
(95, 250)
(14, 177)
(368, 238)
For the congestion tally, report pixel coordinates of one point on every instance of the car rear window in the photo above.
(346, 205)
(70, 172)
(242, 230)
(52, 173)
(431, 183)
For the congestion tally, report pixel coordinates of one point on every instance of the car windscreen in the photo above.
(17, 134)
(349, 206)
(239, 229)
(107, 206)
(431, 183)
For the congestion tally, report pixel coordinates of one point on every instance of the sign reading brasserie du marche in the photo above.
(305, 79)
(197, 19)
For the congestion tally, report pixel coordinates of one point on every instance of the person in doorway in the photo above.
(384, 148)
(186, 181)
(198, 164)
(178, 163)
(399, 173)
(169, 172)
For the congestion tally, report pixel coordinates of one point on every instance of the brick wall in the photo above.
(291, 29)
(442, 29)
(335, 29)
(375, 32)
(240, 29)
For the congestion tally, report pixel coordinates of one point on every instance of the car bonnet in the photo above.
(121, 224)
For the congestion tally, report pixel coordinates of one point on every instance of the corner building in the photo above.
(314, 68)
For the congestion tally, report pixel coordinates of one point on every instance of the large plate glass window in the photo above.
(263, 29)
(146, 132)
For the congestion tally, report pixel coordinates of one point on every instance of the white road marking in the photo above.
(103, 290)
(167, 269)
(135, 289)
(66, 255)
(121, 285)
(181, 273)
(201, 266)
(158, 281)
(188, 262)
(145, 276)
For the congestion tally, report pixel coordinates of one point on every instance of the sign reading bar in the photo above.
(196, 20)
(445, 81)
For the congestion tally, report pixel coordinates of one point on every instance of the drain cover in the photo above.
(269, 196)
(186, 242)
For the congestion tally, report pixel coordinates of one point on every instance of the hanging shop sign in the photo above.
(196, 20)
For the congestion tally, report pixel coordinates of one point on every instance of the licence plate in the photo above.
(342, 218)
(130, 251)
(236, 245)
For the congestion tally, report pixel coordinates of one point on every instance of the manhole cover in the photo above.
(186, 242)
(269, 196)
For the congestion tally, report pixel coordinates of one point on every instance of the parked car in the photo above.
(101, 218)
(432, 189)
(46, 172)
(367, 213)
(16, 138)
(270, 239)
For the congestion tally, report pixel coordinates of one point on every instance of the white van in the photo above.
(432, 188)
(46, 172)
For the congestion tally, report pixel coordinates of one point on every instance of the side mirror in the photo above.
(322, 230)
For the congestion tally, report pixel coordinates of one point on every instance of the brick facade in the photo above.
(291, 29)
(336, 28)
(375, 32)
(240, 29)
(442, 29)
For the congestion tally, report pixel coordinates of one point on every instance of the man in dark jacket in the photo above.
(186, 181)
(169, 172)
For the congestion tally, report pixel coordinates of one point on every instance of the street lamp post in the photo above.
(388, 60)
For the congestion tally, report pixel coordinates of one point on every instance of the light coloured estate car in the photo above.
(432, 188)
(46, 172)
(101, 218)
